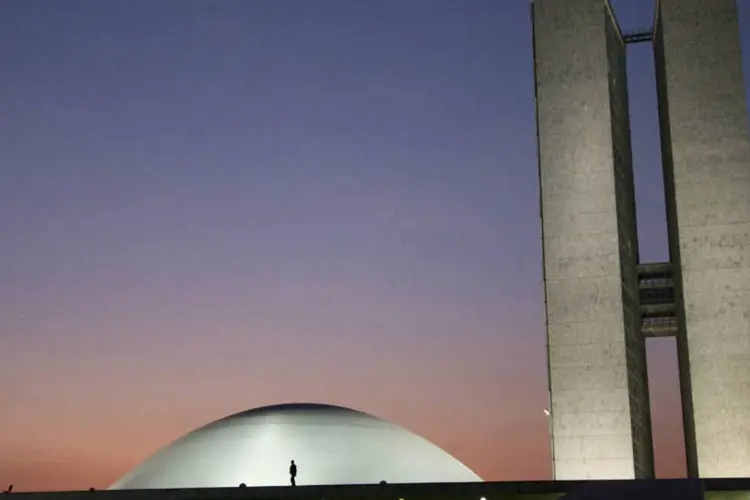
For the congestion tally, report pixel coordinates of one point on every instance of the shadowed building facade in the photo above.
(601, 302)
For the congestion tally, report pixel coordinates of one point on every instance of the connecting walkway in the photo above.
(657, 298)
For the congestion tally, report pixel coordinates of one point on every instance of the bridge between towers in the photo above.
(657, 300)
(638, 36)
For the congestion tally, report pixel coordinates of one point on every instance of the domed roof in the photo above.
(329, 444)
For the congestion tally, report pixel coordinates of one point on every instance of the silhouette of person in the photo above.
(293, 473)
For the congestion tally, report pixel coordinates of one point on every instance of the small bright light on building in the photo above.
(482, 498)
(546, 412)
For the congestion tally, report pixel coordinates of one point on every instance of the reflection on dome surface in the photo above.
(330, 445)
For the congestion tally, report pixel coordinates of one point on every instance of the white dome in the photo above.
(329, 444)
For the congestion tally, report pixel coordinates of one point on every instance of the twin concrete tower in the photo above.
(601, 301)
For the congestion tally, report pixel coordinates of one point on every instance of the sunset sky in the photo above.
(208, 206)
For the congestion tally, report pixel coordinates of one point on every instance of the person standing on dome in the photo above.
(293, 473)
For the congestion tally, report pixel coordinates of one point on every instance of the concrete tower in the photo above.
(706, 161)
(601, 302)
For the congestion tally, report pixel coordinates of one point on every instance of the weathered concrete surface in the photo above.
(598, 383)
(706, 157)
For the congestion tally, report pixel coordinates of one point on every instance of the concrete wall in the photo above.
(707, 173)
(635, 342)
(597, 368)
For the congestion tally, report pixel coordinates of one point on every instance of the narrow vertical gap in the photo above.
(636, 16)
(653, 244)
(666, 416)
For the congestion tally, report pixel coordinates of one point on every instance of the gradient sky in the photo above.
(208, 206)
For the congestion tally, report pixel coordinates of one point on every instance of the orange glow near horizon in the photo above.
(206, 207)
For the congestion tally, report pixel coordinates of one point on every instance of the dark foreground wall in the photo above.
(674, 489)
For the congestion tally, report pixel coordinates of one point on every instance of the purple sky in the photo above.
(209, 206)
